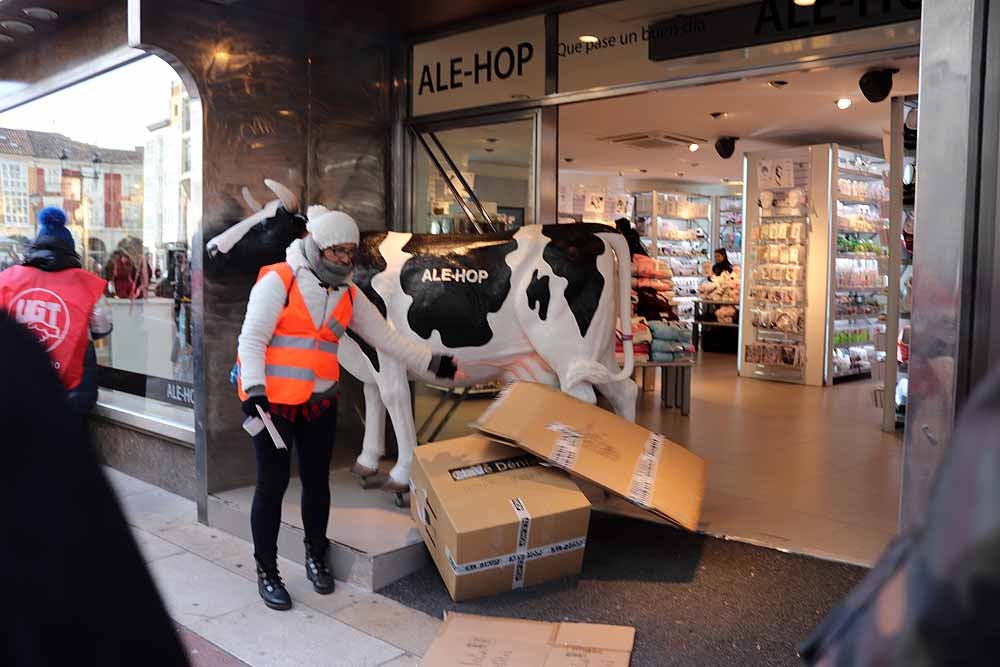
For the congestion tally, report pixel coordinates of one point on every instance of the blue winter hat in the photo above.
(52, 222)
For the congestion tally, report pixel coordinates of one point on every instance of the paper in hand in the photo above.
(271, 429)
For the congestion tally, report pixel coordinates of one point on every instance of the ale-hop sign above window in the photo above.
(768, 21)
(478, 68)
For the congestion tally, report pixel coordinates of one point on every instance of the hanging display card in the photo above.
(773, 174)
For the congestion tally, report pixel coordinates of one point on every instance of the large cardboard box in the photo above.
(645, 468)
(484, 641)
(493, 518)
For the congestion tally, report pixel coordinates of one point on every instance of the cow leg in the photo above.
(373, 447)
(395, 391)
(621, 395)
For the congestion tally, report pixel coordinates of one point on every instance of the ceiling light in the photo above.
(520, 96)
(693, 147)
(777, 83)
(284, 112)
(719, 114)
(589, 39)
(40, 13)
(843, 103)
(567, 160)
(222, 55)
(805, 3)
(489, 150)
(17, 27)
(680, 174)
(642, 171)
(491, 140)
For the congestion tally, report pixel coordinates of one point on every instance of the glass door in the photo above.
(475, 176)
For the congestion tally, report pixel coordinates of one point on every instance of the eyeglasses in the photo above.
(343, 253)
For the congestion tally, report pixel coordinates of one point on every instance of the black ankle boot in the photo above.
(317, 571)
(272, 589)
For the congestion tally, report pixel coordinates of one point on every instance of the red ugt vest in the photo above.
(56, 307)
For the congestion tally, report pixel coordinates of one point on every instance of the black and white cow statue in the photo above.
(540, 304)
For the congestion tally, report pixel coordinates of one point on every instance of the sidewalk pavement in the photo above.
(209, 584)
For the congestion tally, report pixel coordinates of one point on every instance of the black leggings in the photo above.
(314, 442)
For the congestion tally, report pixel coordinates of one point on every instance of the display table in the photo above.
(700, 311)
(675, 382)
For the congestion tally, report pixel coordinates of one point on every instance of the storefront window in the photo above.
(490, 167)
(116, 153)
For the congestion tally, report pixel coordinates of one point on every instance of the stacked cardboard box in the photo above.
(494, 519)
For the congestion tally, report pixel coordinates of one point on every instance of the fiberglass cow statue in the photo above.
(540, 303)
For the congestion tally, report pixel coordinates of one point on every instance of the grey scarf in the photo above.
(333, 275)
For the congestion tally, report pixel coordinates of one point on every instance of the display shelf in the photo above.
(860, 201)
(847, 346)
(860, 290)
(846, 172)
(860, 255)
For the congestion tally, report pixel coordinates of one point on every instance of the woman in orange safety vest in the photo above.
(288, 368)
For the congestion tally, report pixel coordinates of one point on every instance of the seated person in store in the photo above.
(288, 367)
(62, 304)
(722, 263)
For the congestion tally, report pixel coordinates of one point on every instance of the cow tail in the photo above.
(594, 372)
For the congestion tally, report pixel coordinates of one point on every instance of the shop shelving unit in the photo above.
(660, 217)
(842, 287)
(895, 367)
(729, 226)
(859, 264)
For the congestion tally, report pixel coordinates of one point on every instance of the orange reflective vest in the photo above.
(299, 353)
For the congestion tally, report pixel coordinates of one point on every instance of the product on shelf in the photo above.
(791, 355)
(867, 190)
(723, 288)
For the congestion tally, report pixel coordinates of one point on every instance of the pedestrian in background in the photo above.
(62, 304)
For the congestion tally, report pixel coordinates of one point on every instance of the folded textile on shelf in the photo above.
(665, 357)
(670, 331)
(660, 346)
(647, 267)
(653, 283)
(653, 305)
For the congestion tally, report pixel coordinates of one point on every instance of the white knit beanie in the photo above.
(330, 228)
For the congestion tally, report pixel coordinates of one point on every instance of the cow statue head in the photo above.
(260, 238)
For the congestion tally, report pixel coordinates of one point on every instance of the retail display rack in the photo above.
(729, 226)
(815, 266)
(676, 227)
(893, 371)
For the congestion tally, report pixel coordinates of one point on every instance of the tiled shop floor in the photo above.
(207, 581)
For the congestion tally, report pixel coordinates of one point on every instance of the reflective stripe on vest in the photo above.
(300, 353)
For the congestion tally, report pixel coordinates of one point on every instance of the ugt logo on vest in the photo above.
(44, 313)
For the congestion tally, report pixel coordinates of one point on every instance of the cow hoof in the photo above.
(393, 486)
(363, 473)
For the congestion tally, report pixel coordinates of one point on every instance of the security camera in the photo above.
(726, 146)
(876, 84)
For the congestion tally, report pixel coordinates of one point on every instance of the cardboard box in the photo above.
(645, 468)
(493, 518)
(484, 641)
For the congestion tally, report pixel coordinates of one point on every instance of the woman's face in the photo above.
(719, 257)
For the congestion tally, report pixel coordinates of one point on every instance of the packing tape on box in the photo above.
(523, 534)
(566, 447)
(640, 489)
(511, 559)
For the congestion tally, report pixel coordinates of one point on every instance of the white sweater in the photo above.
(267, 300)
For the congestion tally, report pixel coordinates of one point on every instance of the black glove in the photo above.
(443, 366)
(250, 405)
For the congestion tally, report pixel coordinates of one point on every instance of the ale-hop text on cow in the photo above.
(455, 276)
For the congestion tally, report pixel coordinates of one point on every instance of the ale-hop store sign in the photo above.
(622, 50)
(478, 68)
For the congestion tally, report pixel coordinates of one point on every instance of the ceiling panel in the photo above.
(763, 117)
(66, 12)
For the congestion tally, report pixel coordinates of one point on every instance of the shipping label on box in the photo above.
(493, 518)
(646, 468)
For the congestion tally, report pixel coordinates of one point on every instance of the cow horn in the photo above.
(251, 202)
(287, 197)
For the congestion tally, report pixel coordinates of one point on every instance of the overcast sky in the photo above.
(111, 110)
